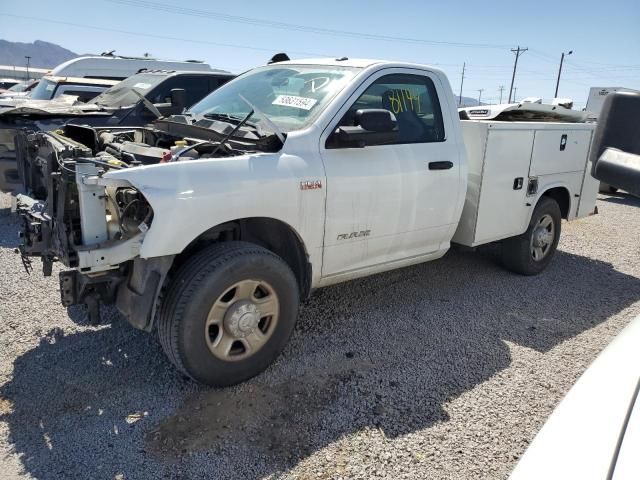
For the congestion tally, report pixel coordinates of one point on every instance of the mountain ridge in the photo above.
(42, 54)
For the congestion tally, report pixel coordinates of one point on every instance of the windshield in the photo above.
(122, 95)
(19, 87)
(44, 90)
(291, 96)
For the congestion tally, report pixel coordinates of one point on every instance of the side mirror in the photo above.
(615, 150)
(375, 120)
(178, 99)
(373, 127)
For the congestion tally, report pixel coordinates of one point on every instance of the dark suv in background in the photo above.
(135, 101)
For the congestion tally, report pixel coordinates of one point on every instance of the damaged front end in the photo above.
(94, 225)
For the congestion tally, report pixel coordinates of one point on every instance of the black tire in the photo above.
(612, 189)
(198, 284)
(517, 253)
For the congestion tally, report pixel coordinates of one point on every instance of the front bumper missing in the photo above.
(133, 288)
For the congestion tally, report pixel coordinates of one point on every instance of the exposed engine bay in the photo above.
(65, 196)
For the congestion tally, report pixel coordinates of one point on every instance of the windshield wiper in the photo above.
(232, 132)
(152, 108)
(225, 117)
(272, 125)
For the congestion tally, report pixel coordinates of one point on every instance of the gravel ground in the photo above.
(442, 370)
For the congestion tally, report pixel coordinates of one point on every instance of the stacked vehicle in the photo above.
(135, 101)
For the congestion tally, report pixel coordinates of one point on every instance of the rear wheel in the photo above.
(531, 252)
(228, 313)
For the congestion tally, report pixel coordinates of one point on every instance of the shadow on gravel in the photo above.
(622, 199)
(8, 229)
(384, 352)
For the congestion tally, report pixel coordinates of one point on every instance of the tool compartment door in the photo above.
(559, 151)
(503, 205)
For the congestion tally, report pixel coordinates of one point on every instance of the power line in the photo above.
(210, 14)
(543, 56)
(605, 67)
(607, 72)
(519, 51)
(162, 37)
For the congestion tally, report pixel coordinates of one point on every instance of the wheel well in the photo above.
(274, 235)
(561, 196)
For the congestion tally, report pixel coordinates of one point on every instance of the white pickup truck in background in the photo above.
(211, 226)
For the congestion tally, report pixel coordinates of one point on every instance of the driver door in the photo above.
(391, 202)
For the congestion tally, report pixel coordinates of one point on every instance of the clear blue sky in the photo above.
(605, 36)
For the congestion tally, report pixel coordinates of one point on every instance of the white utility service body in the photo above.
(511, 164)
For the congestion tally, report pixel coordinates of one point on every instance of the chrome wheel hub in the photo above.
(242, 320)
(542, 238)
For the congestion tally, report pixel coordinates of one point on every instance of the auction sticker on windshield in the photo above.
(142, 86)
(302, 103)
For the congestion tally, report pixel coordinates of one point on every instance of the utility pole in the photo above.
(28, 61)
(518, 51)
(560, 71)
(501, 88)
(480, 95)
(515, 90)
(461, 83)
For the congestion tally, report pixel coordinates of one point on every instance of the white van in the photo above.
(596, 98)
(118, 68)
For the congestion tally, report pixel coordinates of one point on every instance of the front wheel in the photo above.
(531, 252)
(228, 313)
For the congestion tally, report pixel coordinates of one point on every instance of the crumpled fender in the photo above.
(189, 197)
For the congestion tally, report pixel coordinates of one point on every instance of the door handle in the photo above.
(440, 165)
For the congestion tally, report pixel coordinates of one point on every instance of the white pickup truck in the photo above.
(213, 225)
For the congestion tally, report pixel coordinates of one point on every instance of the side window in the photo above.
(215, 83)
(412, 99)
(83, 96)
(196, 88)
(84, 93)
(162, 93)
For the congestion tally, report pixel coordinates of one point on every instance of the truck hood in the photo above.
(195, 173)
(189, 195)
